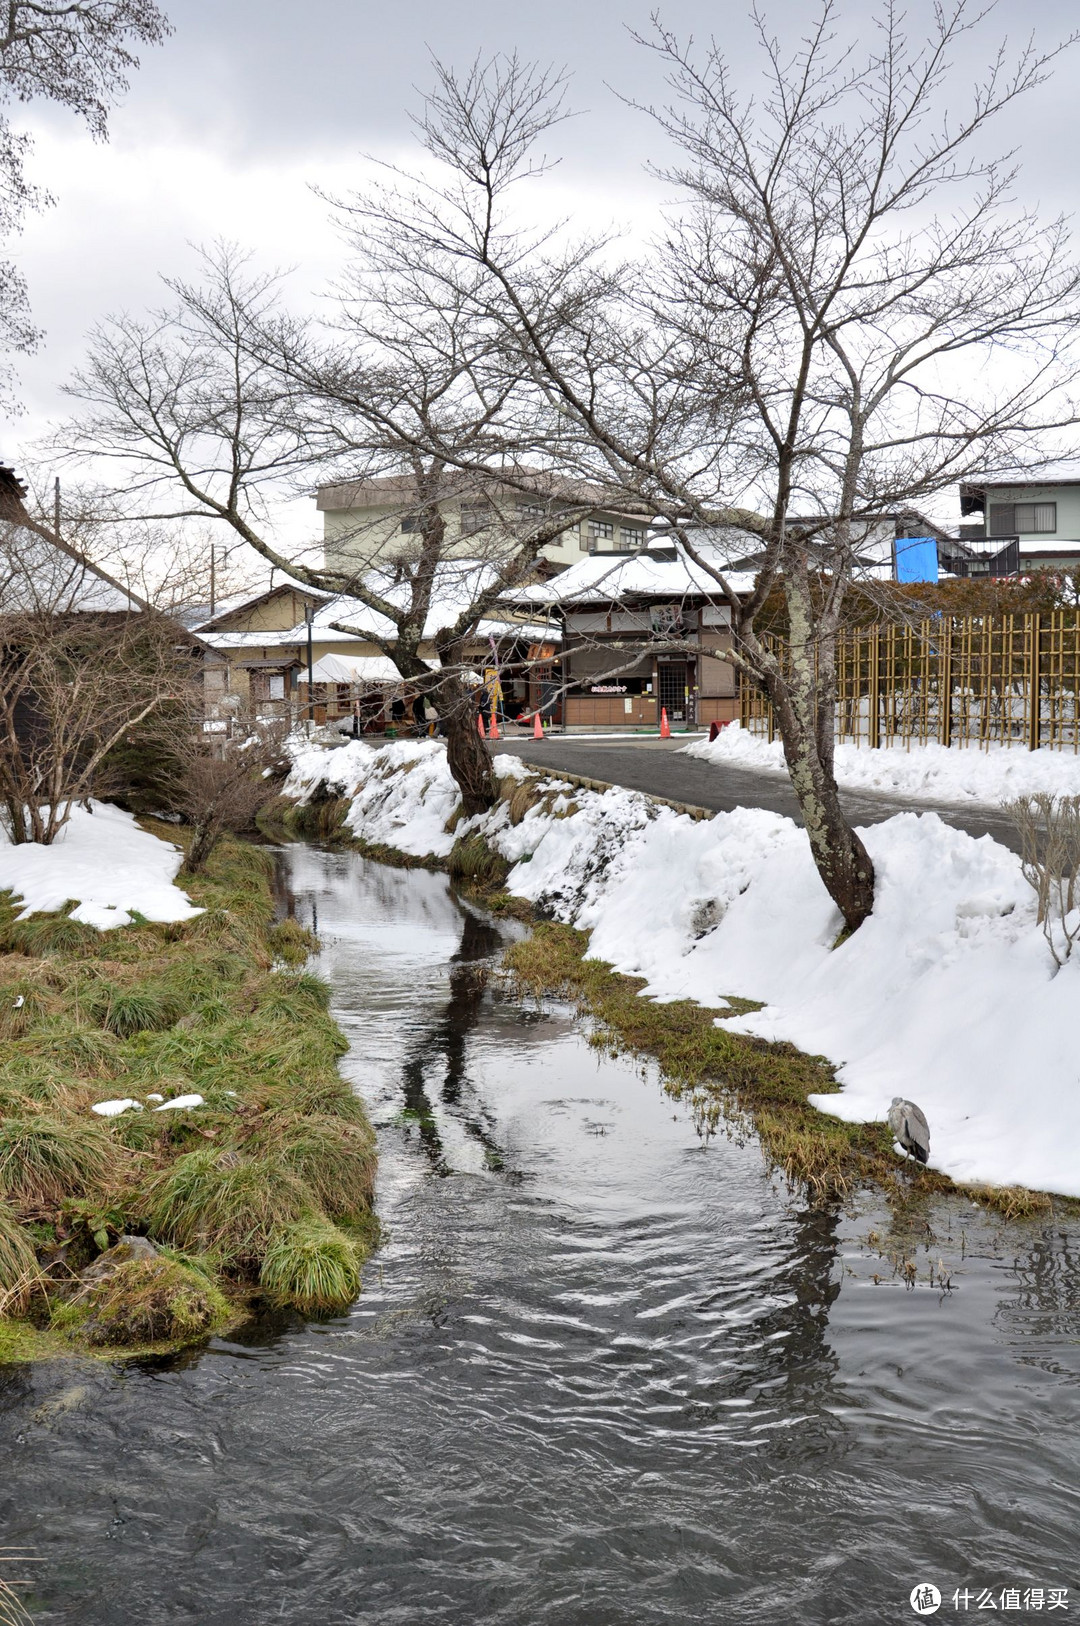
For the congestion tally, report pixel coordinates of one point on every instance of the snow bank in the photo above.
(929, 772)
(106, 861)
(947, 994)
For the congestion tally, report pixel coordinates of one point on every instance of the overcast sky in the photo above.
(251, 101)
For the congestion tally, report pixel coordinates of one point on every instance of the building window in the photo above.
(632, 537)
(1037, 517)
(1023, 519)
(600, 531)
(531, 510)
(411, 522)
(475, 516)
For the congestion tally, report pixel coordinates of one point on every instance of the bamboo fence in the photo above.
(974, 680)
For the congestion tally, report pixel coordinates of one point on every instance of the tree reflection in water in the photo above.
(445, 1045)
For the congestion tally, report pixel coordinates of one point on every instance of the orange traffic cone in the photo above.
(480, 724)
(665, 731)
(538, 727)
(493, 732)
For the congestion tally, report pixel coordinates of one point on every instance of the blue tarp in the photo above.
(916, 559)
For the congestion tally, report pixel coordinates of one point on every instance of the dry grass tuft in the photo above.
(18, 1263)
(47, 1158)
(225, 1203)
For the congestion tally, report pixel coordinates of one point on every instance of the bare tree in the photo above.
(224, 775)
(845, 316)
(76, 53)
(82, 667)
(215, 405)
(1049, 830)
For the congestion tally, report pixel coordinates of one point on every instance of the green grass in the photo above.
(312, 1265)
(47, 1157)
(221, 1202)
(334, 1159)
(18, 1260)
(220, 1005)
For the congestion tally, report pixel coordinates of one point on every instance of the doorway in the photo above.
(672, 688)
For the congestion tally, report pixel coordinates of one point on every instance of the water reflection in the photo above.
(439, 1050)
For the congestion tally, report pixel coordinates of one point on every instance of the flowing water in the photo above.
(600, 1375)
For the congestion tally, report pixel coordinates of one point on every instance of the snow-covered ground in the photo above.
(921, 773)
(947, 994)
(106, 861)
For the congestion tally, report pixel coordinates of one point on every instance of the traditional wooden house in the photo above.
(293, 651)
(643, 634)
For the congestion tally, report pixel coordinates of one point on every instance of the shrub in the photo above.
(312, 1266)
(43, 1160)
(1049, 830)
(148, 1301)
(222, 1203)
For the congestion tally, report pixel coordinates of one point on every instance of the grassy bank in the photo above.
(734, 1081)
(263, 1193)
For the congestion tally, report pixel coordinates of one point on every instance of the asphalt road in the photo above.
(659, 768)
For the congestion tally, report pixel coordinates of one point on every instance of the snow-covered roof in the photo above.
(458, 582)
(354, 669)
(655, 572)
(251, 596)
(1064, 472)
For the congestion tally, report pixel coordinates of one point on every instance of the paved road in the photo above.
(658, 767)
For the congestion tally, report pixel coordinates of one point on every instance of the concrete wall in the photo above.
(351, 535)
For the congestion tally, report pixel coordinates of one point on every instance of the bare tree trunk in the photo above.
(203, 841)
(798, 699)
(466, 753)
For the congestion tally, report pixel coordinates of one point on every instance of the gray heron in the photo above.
(910, 1128)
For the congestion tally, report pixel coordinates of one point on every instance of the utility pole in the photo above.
(310, 671)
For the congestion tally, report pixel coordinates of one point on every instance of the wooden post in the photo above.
(1034, 709)
(945, 682)
(875, 690)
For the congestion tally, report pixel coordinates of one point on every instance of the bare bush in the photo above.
(224, 778)
(1049, 828)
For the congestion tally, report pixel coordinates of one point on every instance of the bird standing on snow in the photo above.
(910, 1128)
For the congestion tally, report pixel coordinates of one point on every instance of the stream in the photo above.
(600, 1374)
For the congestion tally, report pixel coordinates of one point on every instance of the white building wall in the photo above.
(1067, 498)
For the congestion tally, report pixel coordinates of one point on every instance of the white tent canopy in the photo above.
(353, 669)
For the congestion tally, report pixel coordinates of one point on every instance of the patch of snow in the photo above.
(180, 1101)
(113, 1109)
(922, 772)
(106, 861)
(402, 793)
